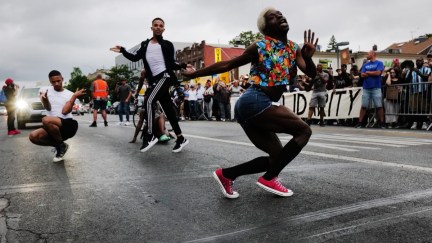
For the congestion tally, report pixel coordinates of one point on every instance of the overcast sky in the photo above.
(38, 36)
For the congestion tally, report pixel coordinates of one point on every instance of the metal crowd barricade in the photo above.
(413, 99)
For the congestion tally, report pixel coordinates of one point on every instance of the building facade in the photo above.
(202, 54)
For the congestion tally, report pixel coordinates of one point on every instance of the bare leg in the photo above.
(49, 135)
(310, 112)
(322, 114)
(362, 114)
(52, 126)
(160, 126)
(138, 127)
(262, 130)
(94, 115)
(41, 137)
(380, 112)
(104, 115)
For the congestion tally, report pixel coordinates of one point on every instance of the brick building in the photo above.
(202, 54)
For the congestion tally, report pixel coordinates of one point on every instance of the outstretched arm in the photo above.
(67, 108)
(132, 57)
(304, 56)
(248, 56)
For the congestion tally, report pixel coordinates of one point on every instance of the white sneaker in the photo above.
(180, 144)
(126, 123)
(148, 143)
(120, 123)
(414, 126)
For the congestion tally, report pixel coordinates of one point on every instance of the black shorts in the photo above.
(99, 104)
(68, 128)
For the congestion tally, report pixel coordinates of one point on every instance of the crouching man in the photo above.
(58, 125)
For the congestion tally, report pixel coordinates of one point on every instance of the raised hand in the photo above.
(79, 92)
(44, 95)
(189, 71)
(115, 48)
(309, 46)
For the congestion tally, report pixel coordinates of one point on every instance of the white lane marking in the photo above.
(333, 156)
(379, 139)
(219, 140)
(418, 140)
(389, 142)
(332, 146)
(369, 140)
(324, 214)
(340, 146)
(370, 161)
(357, 142)
(370, 224)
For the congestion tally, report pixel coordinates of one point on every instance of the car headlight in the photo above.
(21, 104)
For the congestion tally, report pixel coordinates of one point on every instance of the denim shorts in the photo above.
(372, 95)
(318, 99)
(250, 104)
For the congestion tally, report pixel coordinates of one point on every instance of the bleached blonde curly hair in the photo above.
(261, 21)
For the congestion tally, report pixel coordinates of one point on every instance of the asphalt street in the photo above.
(350, 185)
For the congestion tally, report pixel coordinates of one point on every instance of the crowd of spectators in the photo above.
(406, 88)
(212, 101)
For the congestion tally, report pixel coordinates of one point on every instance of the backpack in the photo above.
(3, 97)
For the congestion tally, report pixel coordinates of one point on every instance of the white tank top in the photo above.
(155, 58)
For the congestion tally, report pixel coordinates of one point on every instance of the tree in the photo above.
(246, 38)
(79, 81)
(332, 44)
(116, 74)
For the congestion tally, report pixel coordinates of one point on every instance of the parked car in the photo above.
(29, 108)
(113, 109)
(87, 108)
(78, 108)
(3, 111)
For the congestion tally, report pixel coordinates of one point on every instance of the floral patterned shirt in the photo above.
(276, 64)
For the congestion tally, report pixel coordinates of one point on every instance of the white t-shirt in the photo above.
(57, 101)
(155, 58)
(200, 93)
(192, 94)
(236, 91)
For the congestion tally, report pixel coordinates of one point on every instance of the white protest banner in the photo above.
(342, 104)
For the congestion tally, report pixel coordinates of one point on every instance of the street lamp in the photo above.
(343, 43)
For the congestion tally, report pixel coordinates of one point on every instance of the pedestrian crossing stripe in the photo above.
(358, 142)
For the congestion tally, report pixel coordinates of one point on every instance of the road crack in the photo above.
(5, 226)
(4, 203)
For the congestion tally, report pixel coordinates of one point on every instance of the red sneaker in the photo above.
(11, 133)
(274, 186)
(16, 132)
(225, 184)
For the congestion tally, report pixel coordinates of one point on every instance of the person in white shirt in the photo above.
(193, 102)
(208, 100)
(58, 125)
(157, 55)
(200, 100)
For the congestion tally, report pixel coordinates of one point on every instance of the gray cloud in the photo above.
(38, 36)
